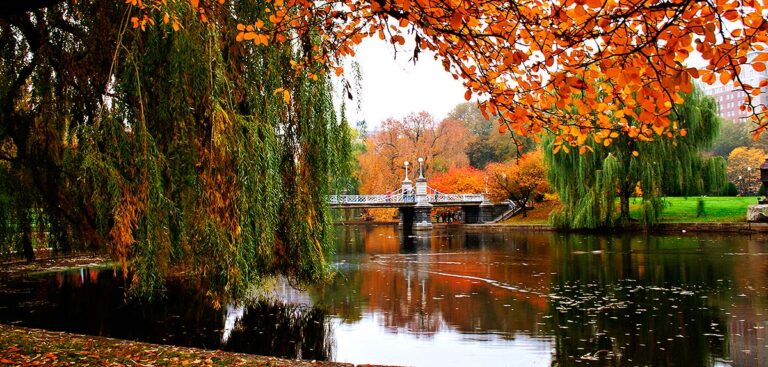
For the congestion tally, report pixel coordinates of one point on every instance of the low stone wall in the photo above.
(740, 227)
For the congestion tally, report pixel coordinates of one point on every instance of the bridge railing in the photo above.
(398, 196)
(435, 196)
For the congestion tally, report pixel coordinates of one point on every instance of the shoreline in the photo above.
(669, 227)
(23, 346)
(677, 227)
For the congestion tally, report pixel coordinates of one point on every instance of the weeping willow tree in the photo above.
(167, 149)
(590, 184)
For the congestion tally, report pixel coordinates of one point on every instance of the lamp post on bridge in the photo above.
(407, 186)
(423, 209)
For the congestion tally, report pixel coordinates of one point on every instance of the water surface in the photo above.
(456, 298)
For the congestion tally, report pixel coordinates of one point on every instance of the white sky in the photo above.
(396, 87)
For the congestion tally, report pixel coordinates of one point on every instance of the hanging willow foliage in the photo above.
(589, 184)
(169, 149)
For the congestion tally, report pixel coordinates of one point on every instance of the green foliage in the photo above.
(171, 149)
(589, 184)
(488, 144)
(730, 189)
(735, 134)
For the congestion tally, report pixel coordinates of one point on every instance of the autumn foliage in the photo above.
(529, 59)
(417, 135)
(518, 180)
(459, 180)
(744, 169)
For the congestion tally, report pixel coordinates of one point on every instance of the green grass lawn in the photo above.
(716, 209)
(679, 209)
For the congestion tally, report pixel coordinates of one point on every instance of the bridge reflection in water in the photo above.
(450, 297)
(547, 298)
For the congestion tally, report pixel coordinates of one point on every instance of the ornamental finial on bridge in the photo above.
(421, 172)
(406, 171)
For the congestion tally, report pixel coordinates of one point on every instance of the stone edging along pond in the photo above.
(739, 227)
(20, 346)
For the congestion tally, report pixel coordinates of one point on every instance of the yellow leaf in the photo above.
(286, 96)
(635, 153)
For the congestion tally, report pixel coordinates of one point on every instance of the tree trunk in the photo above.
(26, 235)
(624, 209)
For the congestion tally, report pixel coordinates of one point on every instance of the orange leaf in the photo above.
(763, 56)
(725, 77)
(468, 95)
(758, 66)
(195, 3)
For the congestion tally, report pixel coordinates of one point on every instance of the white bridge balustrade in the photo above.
(398, 198)
(415, 200)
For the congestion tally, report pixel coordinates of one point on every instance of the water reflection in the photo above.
(644, 299)
(450, 297)
(91, 301)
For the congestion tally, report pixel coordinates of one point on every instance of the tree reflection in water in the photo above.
(92, 302)
(601, 299)
(460, 296)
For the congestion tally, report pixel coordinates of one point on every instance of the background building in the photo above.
(731, 99)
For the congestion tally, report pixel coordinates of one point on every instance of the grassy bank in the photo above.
(538, 215)
(719, 209)
(726, 209)
(34, 347)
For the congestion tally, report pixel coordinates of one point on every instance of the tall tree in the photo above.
(519, 180)
(488, 144)
(168, 146)
(735, 134)
(590, 182)
(744, 169)
(418, 135)
(468, 180)
(526, 56)
(523, 56)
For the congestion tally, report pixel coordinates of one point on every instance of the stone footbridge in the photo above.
(415, 200)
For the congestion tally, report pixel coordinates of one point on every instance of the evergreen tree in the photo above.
(589, 184)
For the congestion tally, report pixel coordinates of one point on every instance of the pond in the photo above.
(452, 297)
